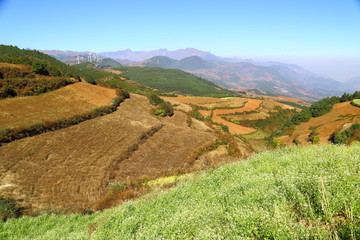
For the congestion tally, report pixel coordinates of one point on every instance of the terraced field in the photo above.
(252, 109)
(74, 99)
(70, 169)
(341, 116)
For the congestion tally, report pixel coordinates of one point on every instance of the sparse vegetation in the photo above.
(296, 193)
(163, 108)
(314, 137)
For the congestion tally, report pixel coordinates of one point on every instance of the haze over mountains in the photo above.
(233, 73)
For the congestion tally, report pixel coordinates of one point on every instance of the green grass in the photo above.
(173, 80)
(356, 102)
(295, 193)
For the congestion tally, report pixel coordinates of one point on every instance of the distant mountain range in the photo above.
(233, 73)
(279, 79)
(354, 83)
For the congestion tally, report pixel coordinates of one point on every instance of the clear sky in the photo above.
(321, 35)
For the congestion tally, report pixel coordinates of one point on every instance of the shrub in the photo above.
(344, 137)
(40, 67)
(155, 100)
(8, 209)
(314, 137)
(164, 109)
(8, 91)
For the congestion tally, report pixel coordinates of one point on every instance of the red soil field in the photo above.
(339, 115)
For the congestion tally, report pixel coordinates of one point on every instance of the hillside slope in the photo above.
(341, 117)
(296, 193)
(70, 169)
(75, 99)
(282, 79)
(173, 80)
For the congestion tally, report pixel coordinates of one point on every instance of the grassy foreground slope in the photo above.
(296, 193)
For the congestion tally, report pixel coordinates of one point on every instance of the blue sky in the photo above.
(321, 35)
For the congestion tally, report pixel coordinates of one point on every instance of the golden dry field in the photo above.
(74, 99)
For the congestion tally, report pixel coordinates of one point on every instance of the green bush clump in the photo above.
(346, 135)
(8, 209)
(164, 109)
(155, 100)
(314, 137)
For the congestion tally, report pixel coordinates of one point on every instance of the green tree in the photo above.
(40, 67)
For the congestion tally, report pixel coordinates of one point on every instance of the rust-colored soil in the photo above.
(233, 128)
(195, 100)
(340, 114)
(234, 102)
(251, 105)
(75, 99)
(205, 113)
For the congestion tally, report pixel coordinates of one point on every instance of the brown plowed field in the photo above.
(68, 169)
(75, 99)
(339, 115)
(170, 148)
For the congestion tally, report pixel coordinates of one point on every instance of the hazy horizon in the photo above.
(321, 36)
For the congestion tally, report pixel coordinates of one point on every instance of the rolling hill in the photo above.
(173, 80)
(232, 73)
(281, 79)
(114, 156)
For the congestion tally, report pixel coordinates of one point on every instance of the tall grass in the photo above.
(295, 193)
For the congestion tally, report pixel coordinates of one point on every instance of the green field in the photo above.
(173, 80)
(295, 193)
